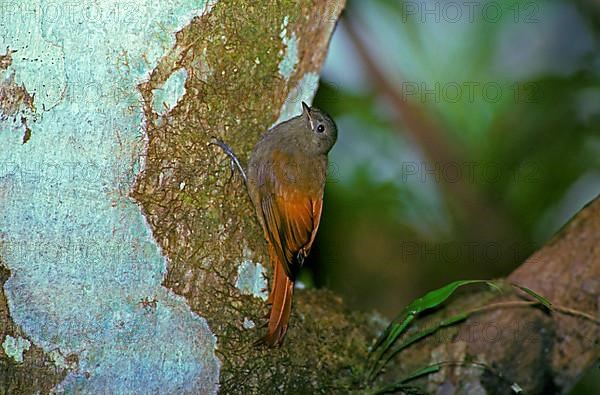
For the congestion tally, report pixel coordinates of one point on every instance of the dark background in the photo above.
(468, 135)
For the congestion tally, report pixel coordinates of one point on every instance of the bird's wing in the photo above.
(292, 215)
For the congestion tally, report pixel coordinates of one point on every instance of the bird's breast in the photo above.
(300, 171)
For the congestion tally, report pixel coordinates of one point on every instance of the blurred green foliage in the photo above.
(516, 95)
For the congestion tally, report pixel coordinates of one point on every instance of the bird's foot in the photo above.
(234, 160)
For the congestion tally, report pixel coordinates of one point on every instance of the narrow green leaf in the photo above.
(438, 296)
(421, 372)
(417, 337)
(495, 286)
(414, 375)
(423, 334)
(429, 301)
(535, 295)
(393, 332)
(396, 331)
(392, 328)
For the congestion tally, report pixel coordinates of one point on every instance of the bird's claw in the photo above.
(234, 162)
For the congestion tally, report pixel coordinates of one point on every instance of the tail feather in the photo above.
(273, 259)
(281, 308)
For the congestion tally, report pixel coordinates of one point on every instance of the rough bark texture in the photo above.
(37, 372)
(567, 271)
(206, 227)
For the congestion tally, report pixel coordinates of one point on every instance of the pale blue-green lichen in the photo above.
(304, 91)
(14, 347)
(81, 255)
(60, 361)
(167, 96)
(290, 56)
(251, 279)
(248, 323)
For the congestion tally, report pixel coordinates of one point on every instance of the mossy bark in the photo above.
(208, 227)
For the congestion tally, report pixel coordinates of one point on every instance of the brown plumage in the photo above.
(286, 180)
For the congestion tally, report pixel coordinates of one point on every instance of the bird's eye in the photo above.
(320, 128)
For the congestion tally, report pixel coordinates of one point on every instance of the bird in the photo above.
(287, 170)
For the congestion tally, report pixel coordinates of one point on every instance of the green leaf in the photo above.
(435, 367)
(427, 302)
(414, 375)
(387, 338)
(537, 296)
(393, 332)
(422, 372)
(424, 333)
(436, 297)
(416, 337)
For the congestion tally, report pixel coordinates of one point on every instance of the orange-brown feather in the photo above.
(291, 214)
(281, 308)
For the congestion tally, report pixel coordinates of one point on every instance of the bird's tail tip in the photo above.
(281, 310)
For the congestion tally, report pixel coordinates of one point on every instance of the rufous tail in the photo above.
(281, 308)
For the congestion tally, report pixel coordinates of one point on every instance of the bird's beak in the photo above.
(306, 113)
